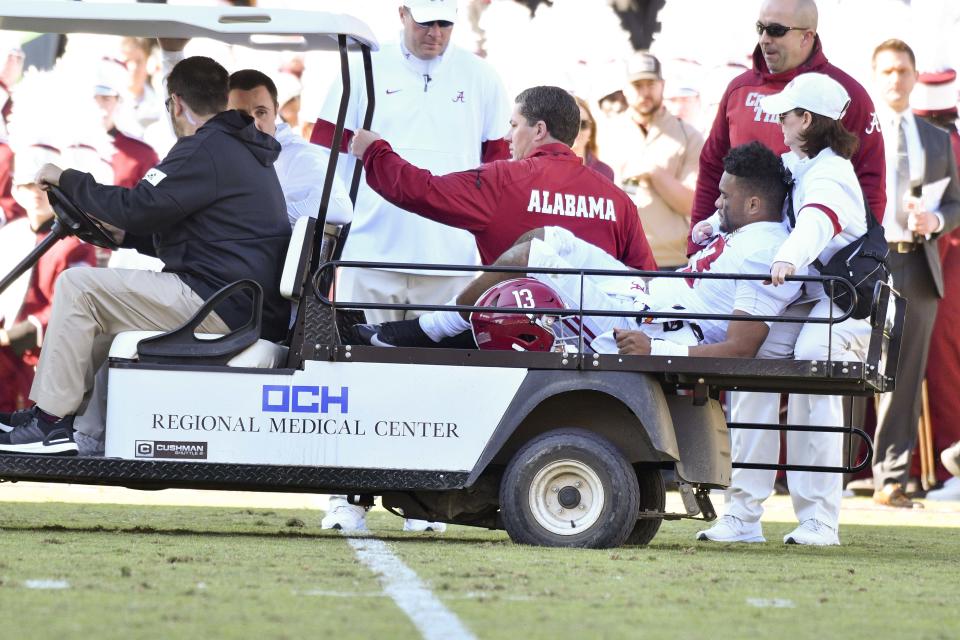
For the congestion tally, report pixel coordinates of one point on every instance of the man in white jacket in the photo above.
(443, 109)
(301, 166)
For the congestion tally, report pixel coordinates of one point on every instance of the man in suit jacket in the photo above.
(917, 154)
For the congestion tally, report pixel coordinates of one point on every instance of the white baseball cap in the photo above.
(111, 77)
(813, 92)
(28, 160)
(430, 10)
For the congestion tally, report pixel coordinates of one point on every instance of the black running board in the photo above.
(153, 474)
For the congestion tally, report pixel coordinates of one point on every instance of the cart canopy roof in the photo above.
(275, 29)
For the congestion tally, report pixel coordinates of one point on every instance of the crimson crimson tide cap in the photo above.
(935, 93)
(813, 92)
(430, 10)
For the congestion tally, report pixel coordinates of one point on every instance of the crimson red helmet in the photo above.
(514, 330)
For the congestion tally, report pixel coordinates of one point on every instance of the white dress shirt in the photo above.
(889, 122)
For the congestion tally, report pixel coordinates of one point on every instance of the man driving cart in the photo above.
(216, 214)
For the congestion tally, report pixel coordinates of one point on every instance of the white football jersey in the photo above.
(749, 250)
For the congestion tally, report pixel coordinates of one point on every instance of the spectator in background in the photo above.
(917, 153)
(132, 158)
(681, 92)
(613, 103)
(142, 107)
(684, 103)
(9, 75)
(935, 100)
(585, 145)
(288, 99)
(445, 110)
(657, 161)
(25, 305)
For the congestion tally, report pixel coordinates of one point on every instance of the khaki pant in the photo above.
(90, 307)
(396, 287)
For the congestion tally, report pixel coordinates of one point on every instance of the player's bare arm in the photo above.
(744, 339)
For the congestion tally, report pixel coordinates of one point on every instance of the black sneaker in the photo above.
(41, 437)
(9, 421)
(407, 333)
(402, 333)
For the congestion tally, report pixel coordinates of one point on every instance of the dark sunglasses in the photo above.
(797, 112)
(586, 123)
(776, 30)
(166, 103)
(443, 24)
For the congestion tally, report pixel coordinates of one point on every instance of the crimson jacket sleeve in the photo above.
(493, 150)
(869, 161)
(711, 168)
(184, 183)
(465, 200)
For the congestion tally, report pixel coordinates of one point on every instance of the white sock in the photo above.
(443, 324)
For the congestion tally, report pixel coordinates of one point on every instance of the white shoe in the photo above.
(813, 532)
(344, 516)
(949, 491)
(424, 525)
(733, 529)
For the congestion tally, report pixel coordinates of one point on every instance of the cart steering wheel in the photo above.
(76, 222)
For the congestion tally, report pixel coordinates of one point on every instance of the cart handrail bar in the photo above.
(673, 315)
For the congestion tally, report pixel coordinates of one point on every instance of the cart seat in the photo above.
(261, 354)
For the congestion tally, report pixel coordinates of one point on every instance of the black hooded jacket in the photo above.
(215, 210)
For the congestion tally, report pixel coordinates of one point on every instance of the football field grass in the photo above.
(71, 570)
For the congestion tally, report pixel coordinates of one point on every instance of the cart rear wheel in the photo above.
(569, 488)
(652, 498)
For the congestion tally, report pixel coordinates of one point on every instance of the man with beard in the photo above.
(658, 161)
(788, 45)
(216, 213)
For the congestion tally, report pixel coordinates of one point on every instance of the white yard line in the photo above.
(401, 583)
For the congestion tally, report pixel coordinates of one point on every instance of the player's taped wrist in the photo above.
(660, 347)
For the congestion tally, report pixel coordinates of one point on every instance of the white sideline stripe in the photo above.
(401, 583)
(46, 584)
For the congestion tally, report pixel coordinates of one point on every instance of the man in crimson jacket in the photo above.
(544, 185)
(779, 57)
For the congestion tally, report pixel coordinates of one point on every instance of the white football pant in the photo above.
(814, 495)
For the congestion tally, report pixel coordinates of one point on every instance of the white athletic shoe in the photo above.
(343, 515)
(424, 525)
(733, 529)
(813, 532)
(949, 491)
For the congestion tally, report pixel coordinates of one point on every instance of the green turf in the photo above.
(139, 572)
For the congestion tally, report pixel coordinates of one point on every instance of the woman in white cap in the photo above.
(829, 214)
